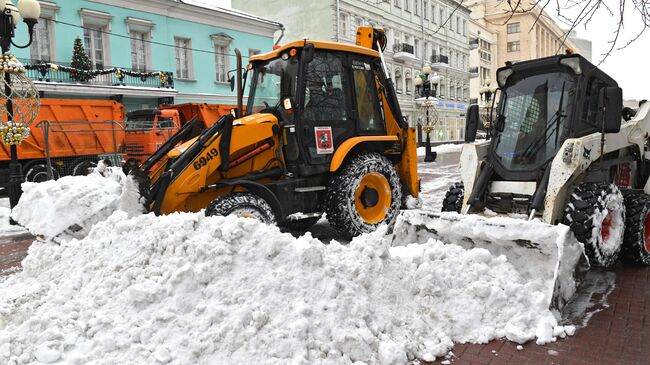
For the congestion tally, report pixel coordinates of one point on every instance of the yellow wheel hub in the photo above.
(373, 198)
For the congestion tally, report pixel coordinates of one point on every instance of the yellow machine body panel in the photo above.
(345, 147)
(187, 191)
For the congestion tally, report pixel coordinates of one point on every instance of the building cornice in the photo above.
(203, 15)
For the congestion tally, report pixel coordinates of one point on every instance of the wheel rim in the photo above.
(606, 227)
(646, 233)
(372, 198)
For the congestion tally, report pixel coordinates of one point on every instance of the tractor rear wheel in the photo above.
(242, 204)
(453, 201)
(596, 215)
(363, 195)
(636, 244)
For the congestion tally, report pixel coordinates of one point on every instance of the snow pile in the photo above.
(72, 204)
(443, 148)
(5, 227)
(189, 289)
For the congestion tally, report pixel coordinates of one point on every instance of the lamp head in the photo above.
(29, 9)
(426, 69)
(14, 11)
(418, 81)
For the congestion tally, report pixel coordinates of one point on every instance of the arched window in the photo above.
(409, 81)
(398, 79)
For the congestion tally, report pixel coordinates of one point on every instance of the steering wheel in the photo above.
(266, 105)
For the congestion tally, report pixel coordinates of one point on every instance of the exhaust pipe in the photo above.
(240, 90)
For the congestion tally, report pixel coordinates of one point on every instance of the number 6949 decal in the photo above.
(203, 160)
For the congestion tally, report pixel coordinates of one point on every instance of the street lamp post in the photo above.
(486, 92)
(10, 16)
(426, 85)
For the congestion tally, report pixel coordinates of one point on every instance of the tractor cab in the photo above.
(322, 93)
(542, 103)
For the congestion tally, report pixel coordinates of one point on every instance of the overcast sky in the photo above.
(629, 66)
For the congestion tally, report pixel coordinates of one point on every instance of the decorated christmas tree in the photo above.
(80, 62)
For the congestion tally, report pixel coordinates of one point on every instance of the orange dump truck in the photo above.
(75, 133)
(148, 129)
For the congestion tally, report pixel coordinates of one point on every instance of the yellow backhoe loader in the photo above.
(322, 133)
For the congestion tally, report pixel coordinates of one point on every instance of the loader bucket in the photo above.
(543, 254)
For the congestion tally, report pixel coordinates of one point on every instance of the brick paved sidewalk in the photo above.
(619, 334)
(13, 248)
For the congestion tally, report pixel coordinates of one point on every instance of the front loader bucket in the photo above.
(543, 254)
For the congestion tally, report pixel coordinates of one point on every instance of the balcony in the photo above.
(473, 43)
(61, 77)
(439, 61)
(403, 52)
(473, 72)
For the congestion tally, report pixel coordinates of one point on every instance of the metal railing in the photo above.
(473, 70)
(61, 72)
(403, 47)
(439, 59)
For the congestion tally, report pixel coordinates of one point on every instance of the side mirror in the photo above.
(610, 104)
(307, 53)
(471, 123)
(231, 80)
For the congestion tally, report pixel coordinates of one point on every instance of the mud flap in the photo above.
(543, 254)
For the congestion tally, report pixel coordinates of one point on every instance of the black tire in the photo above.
(342, 210)
(636, 244)
(242, 204)
(596, 215)
(453, 201)
(38, 173)
(301, 224)
(82, 167)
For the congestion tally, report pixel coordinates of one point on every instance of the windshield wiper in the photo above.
(555, 122)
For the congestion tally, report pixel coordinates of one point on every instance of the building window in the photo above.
(94, 44)
(96, 27)
(442, 16)
(513, 46)
(183, 57)
(407, 5)
(464, 27)
(343, 24)
(139, 51)
(433, 13)
(140, 34)
(425, 10)
(221, 43)
(41, 47)
(416, 7)
(398, 80)
(397, 3)
(358, 23)
(458, 25)
(416, 48)
(513, 28)
(409, 81)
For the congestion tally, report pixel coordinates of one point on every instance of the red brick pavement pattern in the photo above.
(618, 335)
(12, 251)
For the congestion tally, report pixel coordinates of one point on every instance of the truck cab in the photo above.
(147, 130)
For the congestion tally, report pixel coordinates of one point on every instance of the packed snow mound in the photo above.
(443, 148)
(190, 289)
(72, 204)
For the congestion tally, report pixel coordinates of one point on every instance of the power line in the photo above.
(143, 40)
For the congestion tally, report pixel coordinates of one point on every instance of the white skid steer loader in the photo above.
(567, 160)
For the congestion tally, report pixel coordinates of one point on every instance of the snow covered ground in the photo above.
(443, 148)
(125, 287)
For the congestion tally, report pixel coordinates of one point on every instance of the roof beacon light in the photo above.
(503, 74)
(574, 63)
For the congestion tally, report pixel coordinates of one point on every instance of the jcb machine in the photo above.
(323, 132)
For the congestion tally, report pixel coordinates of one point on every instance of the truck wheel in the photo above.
(364, 194)
(596, 215)
(453, 200)
(82, 167)
(636, 244)
(38, 173)
(242, 204)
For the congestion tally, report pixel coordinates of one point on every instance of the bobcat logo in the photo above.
(587, 153)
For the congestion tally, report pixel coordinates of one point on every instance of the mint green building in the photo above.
(143, 52)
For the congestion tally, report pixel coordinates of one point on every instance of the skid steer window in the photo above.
(535, 114)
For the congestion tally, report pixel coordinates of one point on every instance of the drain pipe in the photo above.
(281, 35)
(338, 20)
